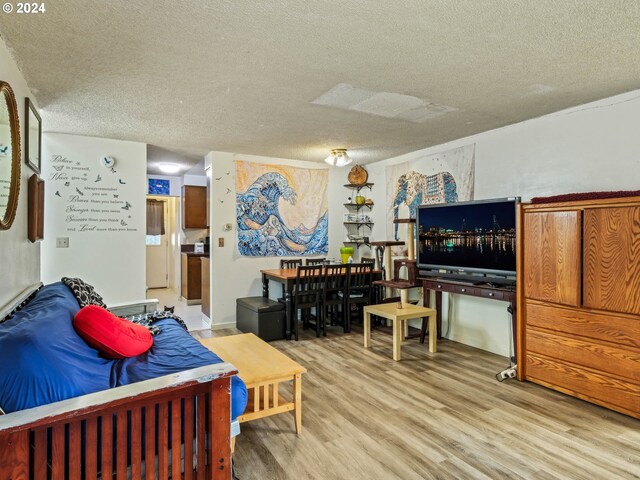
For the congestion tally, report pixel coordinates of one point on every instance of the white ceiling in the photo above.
(241, 76)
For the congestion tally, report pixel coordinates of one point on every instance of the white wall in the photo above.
(235, 276)
(111, 257)
(588, 148)
(19, 258)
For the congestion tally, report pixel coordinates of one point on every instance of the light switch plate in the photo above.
(62, 242)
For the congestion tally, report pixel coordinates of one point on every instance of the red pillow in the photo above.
(112, 336)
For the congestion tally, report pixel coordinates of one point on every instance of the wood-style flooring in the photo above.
(429, 416)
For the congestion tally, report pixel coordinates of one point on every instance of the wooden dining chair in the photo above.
(288, 263)
(315, 261)
(332, 294)
(378, 291)
(358, 290)
(307, 291)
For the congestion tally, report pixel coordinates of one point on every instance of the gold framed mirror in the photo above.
(9, 156)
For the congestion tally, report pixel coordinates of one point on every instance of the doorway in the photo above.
(157, 243)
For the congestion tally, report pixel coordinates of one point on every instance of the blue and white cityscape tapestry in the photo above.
(427, 179)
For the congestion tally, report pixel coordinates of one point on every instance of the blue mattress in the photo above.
(43, 360)
(173, 352)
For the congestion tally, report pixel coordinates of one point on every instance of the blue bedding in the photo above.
(43, 360)
(172, 352)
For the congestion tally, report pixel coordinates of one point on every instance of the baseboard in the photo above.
(222, 326)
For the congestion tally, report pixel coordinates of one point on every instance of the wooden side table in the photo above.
(399, 317)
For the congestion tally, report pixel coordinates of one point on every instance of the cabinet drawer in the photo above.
(464, 289)
(494, 294)
(443, 287)
(617, 329)
(603, 389)
(618, 361)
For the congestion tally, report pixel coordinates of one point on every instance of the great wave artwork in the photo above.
(281, 210)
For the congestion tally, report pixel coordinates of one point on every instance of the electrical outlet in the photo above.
(62, 242)
(221, 242)
(510, 372)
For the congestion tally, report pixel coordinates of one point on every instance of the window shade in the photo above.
(155, 217)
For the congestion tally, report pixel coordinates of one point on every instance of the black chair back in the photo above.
(307, 294)
(359, 278)
(332, 294)
(314, 261)
(290, 263)
(358, 289)
(307, 287)
(333, 282)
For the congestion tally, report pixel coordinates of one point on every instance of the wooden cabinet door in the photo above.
(204, 281)
(612, 259)
(184, 272)
(552, 256)
(194, 207)
(191, 275)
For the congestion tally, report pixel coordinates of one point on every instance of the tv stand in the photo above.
(486, 287)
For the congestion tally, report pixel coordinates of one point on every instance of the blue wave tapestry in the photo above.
(281, 210)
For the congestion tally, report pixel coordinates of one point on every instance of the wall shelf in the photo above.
(358, 206)
(359, 187)
(357, 244)
(352, 212)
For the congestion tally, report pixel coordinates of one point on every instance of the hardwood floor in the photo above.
(440, 416)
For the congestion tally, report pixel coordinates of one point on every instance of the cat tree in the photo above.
(392, 279)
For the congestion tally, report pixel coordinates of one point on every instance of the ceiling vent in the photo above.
(382, 104)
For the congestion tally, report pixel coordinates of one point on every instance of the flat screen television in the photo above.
(468, 237)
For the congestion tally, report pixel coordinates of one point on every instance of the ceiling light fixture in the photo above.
(338, 158)
(169, 167)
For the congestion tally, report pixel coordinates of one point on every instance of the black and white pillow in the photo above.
(85, 294)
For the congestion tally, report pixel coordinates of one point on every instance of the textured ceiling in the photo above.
(240, 76)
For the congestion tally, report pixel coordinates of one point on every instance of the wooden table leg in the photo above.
(297, 395)
(432, 333)
(439, 310)
(397, 332)
(367, 329)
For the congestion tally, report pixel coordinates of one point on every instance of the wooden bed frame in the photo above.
(125, 432)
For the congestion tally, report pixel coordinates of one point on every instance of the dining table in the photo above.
(287, 277)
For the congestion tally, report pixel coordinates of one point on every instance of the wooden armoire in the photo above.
(579, 299)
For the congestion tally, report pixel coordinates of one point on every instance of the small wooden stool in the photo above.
(399, 317)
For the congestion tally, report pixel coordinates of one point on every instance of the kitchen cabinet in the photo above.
(204, 280)
(194, 207)
(191, 284)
